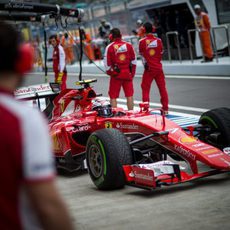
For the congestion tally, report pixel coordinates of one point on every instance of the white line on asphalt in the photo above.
(172, 76)
(170, 106)
(139, 75)
(184, 108)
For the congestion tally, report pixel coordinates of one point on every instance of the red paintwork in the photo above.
(83, 120)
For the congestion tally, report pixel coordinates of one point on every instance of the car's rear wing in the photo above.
(37, 91)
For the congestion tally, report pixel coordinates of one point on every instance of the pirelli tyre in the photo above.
(106, 151)
(219, 122)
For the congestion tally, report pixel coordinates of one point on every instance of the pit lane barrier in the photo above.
(226, 29)
(190, 44)
(175, 34)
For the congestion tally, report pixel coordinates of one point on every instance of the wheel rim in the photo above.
(95, 161)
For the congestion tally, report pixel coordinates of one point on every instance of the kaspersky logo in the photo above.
(184, 152)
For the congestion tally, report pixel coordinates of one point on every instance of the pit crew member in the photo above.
(151, 50)
(203, 25)
(28, 196)
(59, 64)
(120, 65)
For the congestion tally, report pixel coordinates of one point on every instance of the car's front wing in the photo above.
(155, 175)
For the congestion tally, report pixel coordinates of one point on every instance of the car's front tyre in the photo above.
(106, 151)
(218, 120)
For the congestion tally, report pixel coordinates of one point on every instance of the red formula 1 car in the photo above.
(139, 148)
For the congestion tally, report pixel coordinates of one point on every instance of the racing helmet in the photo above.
(103, 108)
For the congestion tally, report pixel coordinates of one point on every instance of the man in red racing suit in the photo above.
(120, 65)
(59, 66)
(151, 49)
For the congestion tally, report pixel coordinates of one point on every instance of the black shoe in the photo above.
(207, 60)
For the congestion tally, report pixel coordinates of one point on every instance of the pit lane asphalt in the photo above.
(202, 204)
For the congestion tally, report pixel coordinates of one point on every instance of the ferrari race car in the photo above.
(138, 148)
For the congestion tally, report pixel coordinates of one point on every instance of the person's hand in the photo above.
(59, 78)
(116, 69)
(112, 72)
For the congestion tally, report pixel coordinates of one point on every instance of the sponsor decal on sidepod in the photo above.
(126, 126)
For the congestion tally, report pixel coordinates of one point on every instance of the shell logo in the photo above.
(210, 151)
(187, 139)
(152, 52)
(122, 57)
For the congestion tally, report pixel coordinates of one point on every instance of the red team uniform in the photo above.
(151, 50)
(120, 64)
(29, 198)
(59, 66)
(26, 155)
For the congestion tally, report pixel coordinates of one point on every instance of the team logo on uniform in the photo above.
(122, 48)
(148, 41)
(122, 57)
(153, 44)
(151, 52)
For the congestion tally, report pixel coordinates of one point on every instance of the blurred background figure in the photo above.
(139, 31)
(96, 50)
(68, 42)
(38, 60)
(87, 42)
(104, 30)
(203, 25)
(59, 63)
(61, 37)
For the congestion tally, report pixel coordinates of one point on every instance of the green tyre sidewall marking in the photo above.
(210, 120)
(104, 157)
(100, 180)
